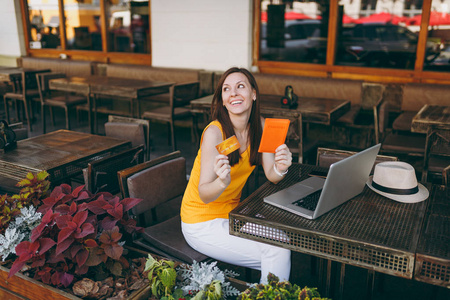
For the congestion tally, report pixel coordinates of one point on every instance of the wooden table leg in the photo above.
(89, 100)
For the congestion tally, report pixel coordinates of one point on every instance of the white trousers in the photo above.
(212, 238)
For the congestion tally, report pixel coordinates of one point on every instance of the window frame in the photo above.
(90, 55)
(330, 70)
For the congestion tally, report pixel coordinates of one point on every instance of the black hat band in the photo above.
(411, 191)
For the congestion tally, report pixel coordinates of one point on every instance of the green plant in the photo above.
(199, 281)
(34, 189)
(162, 276)
(275, 289)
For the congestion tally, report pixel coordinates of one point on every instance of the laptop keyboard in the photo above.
(310, 201)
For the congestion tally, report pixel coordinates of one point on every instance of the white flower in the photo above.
(28, 218)
(199, 276)
(19, 230)
(9, 241)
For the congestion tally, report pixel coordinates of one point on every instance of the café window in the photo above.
(83, 25)
(128, 26)
(368, 34)
(437, 57)
(294, 31)
(99, 26)
(44, 28)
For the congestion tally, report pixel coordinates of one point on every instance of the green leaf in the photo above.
(149, 263)
(168, 277)
(42, 175)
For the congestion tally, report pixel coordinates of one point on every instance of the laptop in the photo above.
(315, 196)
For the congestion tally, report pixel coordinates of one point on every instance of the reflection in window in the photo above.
(438, 37)
(382, 35)
(294, 32)
(44, 24)
(128, 23)
(83, 26)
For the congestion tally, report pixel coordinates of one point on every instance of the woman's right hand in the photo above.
(222, 169)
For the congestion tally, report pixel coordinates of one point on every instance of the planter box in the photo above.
(23, 287)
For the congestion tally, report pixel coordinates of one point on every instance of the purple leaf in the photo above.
(66, 279)
(61, 247)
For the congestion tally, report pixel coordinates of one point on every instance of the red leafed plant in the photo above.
(80, 232)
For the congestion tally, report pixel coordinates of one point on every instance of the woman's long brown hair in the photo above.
(220, 113)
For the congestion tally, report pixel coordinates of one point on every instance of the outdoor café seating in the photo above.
(180, 96)
(49, 98)
(101, 175)
(160, 183)
(135, 130)
(24, 90)
(437, 155)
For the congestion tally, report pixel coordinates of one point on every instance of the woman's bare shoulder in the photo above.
(212, 134)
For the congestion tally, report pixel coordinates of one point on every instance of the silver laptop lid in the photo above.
(346, 179)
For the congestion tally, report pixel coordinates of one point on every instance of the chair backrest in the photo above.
(42, 80)
(381, 118)
(102, 173)
(135, 130)
(29, 81)
(438, 145)
(326, 156)
(161, 182)
(20, 131)
(182, 94)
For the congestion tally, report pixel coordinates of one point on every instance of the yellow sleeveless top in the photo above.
(194, 210)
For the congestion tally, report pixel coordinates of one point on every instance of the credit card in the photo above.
(229, 145)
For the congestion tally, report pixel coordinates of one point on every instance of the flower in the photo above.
(18, 231)
(204, 276)
(9, 241)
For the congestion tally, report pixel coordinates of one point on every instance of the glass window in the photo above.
(128, 26)
(44, 24)
(295, 31)
(380, 34)
(83, 25)
(437, 57)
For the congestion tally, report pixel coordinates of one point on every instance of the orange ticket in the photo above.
(274, 134)
(229, 145)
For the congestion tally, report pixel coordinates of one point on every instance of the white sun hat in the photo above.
(397, 180)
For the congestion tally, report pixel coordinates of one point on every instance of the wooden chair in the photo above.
(25, 89)
(20, 131)
(326, 156)
(101, 175)
(55, 99)
(161, 183)
(135, 130)
(180, 97)
(437, 154)
(397, 143)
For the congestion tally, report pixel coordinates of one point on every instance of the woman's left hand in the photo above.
(283, 158)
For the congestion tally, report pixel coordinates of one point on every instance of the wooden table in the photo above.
(309, 110)
(368, 231)
(10, 74)
(63, 154)
(430, 115)
(130, 90)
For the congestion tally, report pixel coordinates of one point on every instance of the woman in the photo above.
(216, 180)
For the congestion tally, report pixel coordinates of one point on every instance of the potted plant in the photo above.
(284, 290)
(171, 280)
(18, 215)
(78, 243)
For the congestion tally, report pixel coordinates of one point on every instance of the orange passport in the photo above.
(229, 145)
(274, 134)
